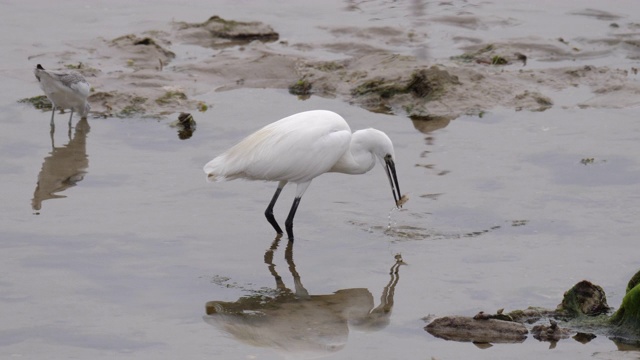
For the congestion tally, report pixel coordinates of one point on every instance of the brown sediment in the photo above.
(250, 55)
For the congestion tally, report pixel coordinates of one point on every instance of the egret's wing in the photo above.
(294, 155)
(297, 148)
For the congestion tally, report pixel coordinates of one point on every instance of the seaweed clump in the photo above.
(626, 320)
(423, 85)
(302, 88)
(427, 84)
(40, 102)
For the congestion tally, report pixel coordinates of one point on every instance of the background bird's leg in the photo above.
(269, 212)
(51, 134)
(69, 127)
(53, 112)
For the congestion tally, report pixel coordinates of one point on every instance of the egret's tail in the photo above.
(213, 169)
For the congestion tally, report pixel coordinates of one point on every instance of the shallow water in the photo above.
(502, 214)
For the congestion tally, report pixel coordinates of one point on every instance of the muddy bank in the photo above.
(163, 71)
(582, 314)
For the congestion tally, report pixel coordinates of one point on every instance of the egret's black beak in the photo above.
(393, 180)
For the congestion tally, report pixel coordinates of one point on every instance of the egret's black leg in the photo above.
(288, 224)
(269, 212)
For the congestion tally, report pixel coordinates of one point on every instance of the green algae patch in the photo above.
(135, 107)
(626, 320)
(583, 312)
(635, 280)
(301, 87)
(39, 102)
(171, 97)
(472, 56)
(381, 94)
(428, 84)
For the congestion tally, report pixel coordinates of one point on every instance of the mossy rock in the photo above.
(301, 87)
(635, 280)
(428, 84)
(584, 298)
(627, 319)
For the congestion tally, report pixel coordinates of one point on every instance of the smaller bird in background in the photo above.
(66, 89)
(301, 147)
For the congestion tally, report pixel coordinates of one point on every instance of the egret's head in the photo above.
(382, 147)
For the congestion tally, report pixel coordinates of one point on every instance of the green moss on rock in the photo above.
(627, 319)
(635, 280)
(584, 298)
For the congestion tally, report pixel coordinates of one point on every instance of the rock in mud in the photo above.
(144, 52)
(186, 126)
(421, 86)
(551, 333)
(466, 329)
(584, 298)
(218, 32)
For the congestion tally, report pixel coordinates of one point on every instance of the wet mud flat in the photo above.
(162, 71)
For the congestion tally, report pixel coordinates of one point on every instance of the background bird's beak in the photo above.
(393, 180)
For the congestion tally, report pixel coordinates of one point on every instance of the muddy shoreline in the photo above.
(163, 71)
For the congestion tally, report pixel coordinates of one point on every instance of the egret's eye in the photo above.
(388, 157)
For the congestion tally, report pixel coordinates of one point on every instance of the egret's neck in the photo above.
(357, 160)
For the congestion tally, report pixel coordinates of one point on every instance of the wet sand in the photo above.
(503, 213)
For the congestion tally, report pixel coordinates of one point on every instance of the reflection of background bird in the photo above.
(64, 167)
(300, 148)
(66, 89)
(296, 323)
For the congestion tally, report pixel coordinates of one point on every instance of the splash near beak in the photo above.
(393, 180)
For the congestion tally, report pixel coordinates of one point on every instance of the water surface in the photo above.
(123, 252)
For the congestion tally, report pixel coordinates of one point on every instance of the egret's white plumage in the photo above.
(299, 148)
(66, 89)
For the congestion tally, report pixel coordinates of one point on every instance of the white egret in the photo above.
(301, 147)
(66, 89)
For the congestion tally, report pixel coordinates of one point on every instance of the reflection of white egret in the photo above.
(66, 89)
(298, 324)
(301, 147)
(64, 167)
